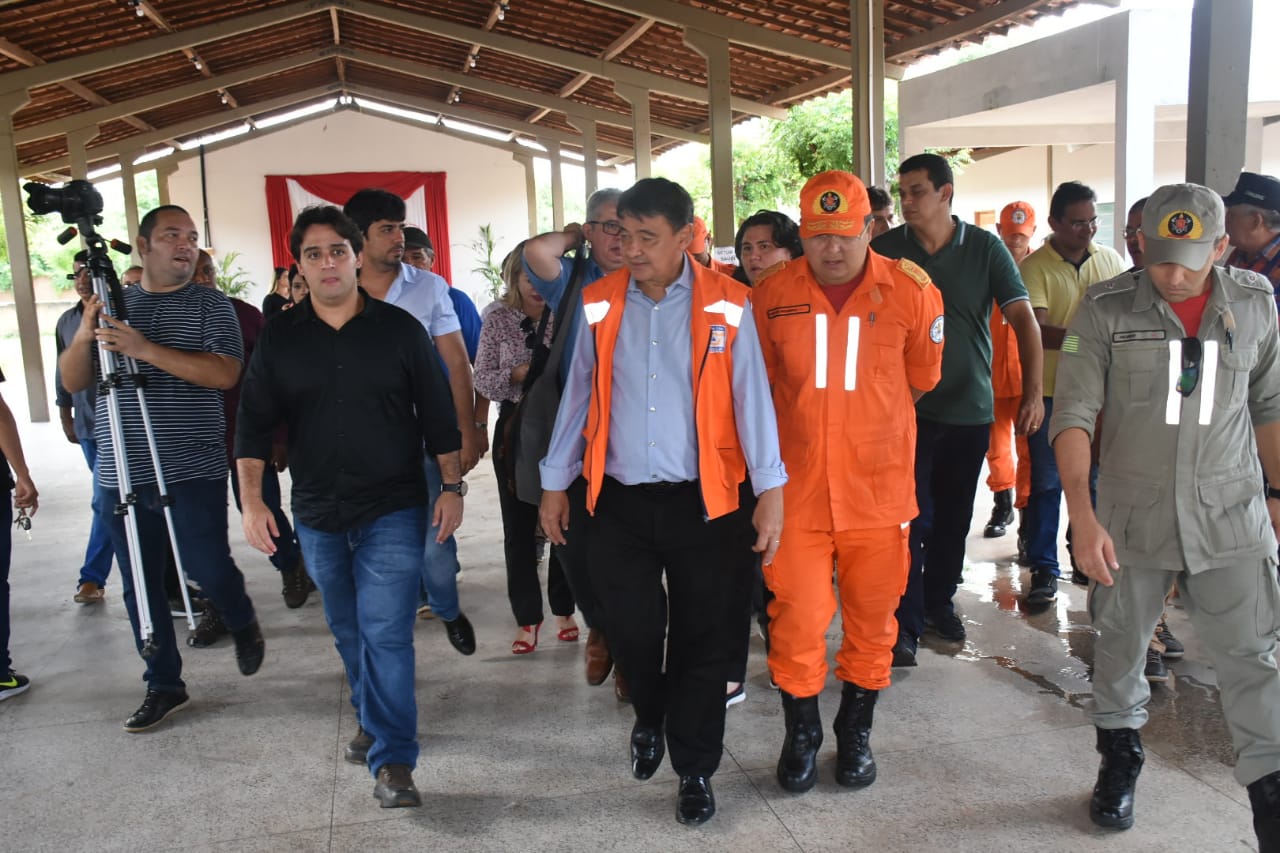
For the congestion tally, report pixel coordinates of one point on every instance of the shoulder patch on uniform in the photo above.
(915, 272)
(1251, 280)
(768, 271)
(1071, 343)
(935, 329)
(1123, 283)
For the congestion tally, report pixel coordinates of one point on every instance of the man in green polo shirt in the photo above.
(1057, 276)
(973, 269)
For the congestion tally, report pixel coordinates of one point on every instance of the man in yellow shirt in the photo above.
(1057, 275)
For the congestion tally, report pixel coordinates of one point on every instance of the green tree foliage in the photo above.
(54, 260)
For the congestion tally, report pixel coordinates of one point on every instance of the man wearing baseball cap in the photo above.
(1184, 358)
(851, 340)
(1253, 224)
(1009, 482)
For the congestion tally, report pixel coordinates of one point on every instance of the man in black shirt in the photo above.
(361, 390)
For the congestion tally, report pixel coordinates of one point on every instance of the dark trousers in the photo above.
(519, 524)
(6, 543)
(639, 535)
(573, 557)
(948, 462)
(200, 517)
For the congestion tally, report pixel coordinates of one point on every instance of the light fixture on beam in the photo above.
(198, 64)
(503, 7)
(222, 96)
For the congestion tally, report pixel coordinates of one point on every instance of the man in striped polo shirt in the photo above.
(186, 342)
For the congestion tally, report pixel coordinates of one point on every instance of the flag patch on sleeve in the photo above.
(1071, 343)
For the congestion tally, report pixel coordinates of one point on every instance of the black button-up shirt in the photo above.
(361, 402)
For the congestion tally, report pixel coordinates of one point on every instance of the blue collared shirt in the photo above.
(552, 289)
(425, 295)
(652, 434)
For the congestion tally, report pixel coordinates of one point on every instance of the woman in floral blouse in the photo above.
(502, 362)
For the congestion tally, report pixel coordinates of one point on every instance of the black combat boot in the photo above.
(1001, 515)
(1264, 796)
(855, 765)
(798, 763)
(1122, 756)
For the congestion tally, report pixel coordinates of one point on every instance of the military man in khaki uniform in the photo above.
(1182, 361)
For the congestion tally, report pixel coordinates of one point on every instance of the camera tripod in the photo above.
(80, 203)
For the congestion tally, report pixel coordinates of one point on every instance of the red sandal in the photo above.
(568, 635)
(521, 647)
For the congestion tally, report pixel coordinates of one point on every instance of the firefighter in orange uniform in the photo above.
(1010, 482)
(850, 340)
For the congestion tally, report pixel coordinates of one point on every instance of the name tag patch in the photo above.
(717, 339)
(788, 311)
(1138, 335)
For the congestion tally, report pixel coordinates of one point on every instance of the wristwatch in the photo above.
(1272, 492)
(459, 488)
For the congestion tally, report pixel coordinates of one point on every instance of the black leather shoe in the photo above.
(155, 708)
(250, 648)
(647, 749)
(358, 748)
(394, 788)
(461, 635)
(1122, 757)
(695, 804)
(904, 651)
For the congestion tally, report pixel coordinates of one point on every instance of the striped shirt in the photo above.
(1266, 262)
(187, 419)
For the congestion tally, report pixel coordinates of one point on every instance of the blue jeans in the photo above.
(1044, 504)
(287, 551)
(439, 585)
(200, 518)
(948, 461)
(367, 577)
(97, 554)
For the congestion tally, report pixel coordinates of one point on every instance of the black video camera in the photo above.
(75, 202)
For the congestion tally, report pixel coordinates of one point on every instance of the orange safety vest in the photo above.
(715, 313)
(1006, 366)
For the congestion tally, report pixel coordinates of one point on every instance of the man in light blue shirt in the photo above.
(666, 411)
(549, 273)
(380, 216)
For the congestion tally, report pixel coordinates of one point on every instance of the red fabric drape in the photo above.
(337, 187)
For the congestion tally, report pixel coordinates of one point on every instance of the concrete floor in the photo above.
(982, 747)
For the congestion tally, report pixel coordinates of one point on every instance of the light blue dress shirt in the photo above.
(552, 290)
(425, 295)
(652, 434)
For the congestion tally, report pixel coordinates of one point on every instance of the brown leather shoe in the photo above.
(599, 661)
(395, 789)
(620, 688)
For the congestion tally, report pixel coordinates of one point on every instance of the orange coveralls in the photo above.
(1006, 387)
(847, 428)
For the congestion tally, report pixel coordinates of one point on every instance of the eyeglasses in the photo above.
(1082, 224)
(1192, 352)
(1130, 233)
(612, 227)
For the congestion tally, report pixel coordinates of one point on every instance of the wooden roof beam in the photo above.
(142, 103)
(961, 28)
(615, 47)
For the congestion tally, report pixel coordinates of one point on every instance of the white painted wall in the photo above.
(1023, 174)
(484, 185)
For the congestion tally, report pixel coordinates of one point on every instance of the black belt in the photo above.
(662, 488)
